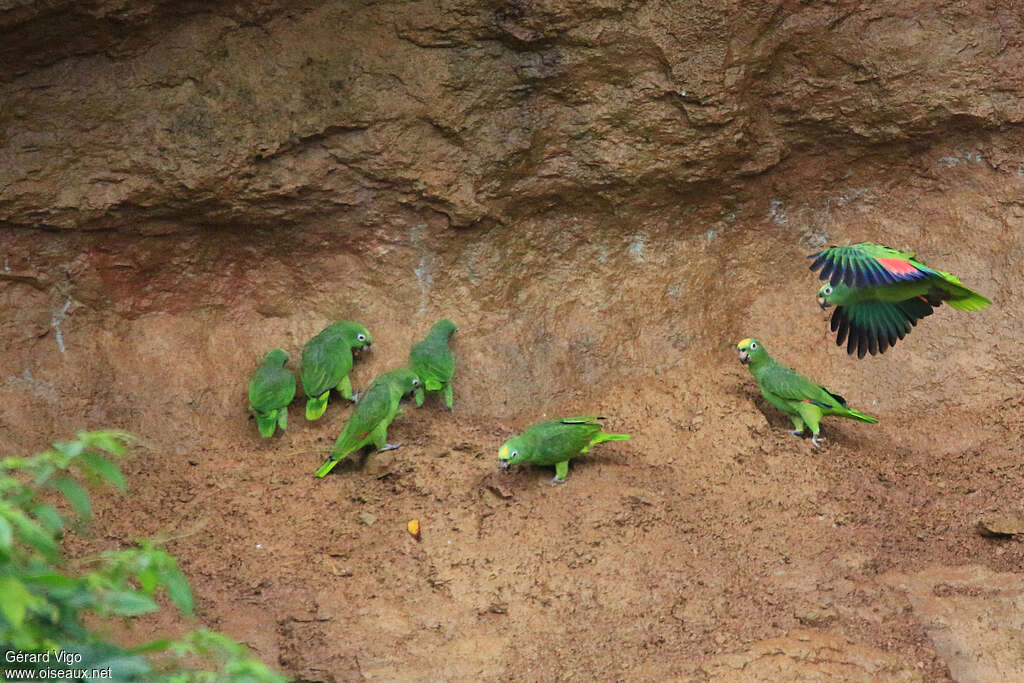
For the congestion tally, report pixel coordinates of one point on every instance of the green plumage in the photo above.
(326, 362)
(880, 293)
(804, 401)
(271, 389)
(368, 424)
(555, 442)
(433, 361)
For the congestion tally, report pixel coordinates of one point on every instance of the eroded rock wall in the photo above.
(151, 114)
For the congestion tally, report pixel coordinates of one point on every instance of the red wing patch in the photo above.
(816, 403)
(363, 436)
(898, 266)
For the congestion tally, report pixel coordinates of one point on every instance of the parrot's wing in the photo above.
(271, 388)
(590, 419)
(791, 385)
(373, 408)
(874, 326)
(432, 361)
(868, 265)
(324, 364)
(557, 440)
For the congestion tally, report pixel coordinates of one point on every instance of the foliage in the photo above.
(42, 602)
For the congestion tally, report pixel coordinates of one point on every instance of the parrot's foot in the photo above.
(389, 447)
(816, 440)
(796, 432)
(557, 480)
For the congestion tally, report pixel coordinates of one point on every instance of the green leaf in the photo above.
(76, 495)
(6, 537)
(128, 603)
(152, 646)
(110, 441)
(72, 449)
(178, 590)
(103, 467)
(49, 518)
(148, 579)
(31, 533)
(50, 580)
(14, 600)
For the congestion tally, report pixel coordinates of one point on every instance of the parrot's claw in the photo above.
(557, 480)
(389, 447)
(796, 432)
(816, 440)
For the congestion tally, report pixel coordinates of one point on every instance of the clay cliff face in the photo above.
(258, 113)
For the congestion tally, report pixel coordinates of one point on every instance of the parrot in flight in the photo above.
(271, 389)
(368, 423)
(879, 293)
(433, 361)
(555, 442)
(326, 362)
(804, 401)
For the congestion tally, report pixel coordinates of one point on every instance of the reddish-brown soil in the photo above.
(711, 544)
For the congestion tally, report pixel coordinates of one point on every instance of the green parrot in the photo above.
(368, 423)
(879, 293)
(555, 442)
(326, 362)
(433, 361)
(804, 401)
(271, 389)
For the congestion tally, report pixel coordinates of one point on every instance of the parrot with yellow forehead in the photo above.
(555, 442)
(804, 401)
(880, 292)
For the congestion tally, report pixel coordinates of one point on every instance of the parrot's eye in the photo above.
(513, 454)
(361, 337)
(753, 345)
(415, 382)
(827, 290)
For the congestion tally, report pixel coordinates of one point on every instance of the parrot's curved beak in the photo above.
(821, 302)
(744, 356)
(504, 464)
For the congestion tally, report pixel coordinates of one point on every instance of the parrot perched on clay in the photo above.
(326, 362)
(433, 361)
(879, 293)
(368, 423)
(804, 401)
(271, 389)
(555, 442)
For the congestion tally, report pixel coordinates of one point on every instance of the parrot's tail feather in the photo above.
(862, 417)
(326, 467)
(960, 297)
(267, 424)
(601, 438)
(975, 302)
(316, 406)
